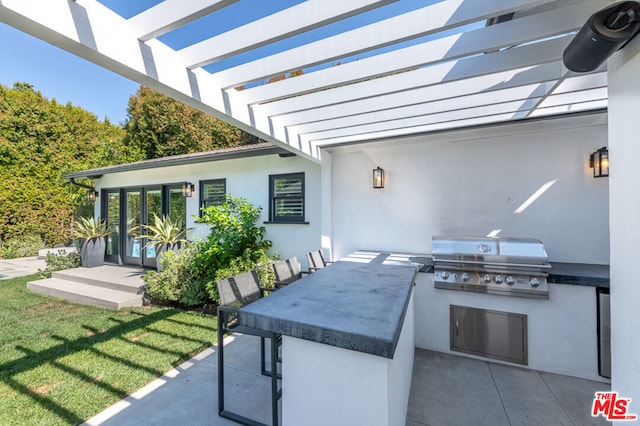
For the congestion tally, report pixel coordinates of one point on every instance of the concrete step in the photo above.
(107, 276)
(86, 294)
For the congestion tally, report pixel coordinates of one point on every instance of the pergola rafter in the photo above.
(445, 65)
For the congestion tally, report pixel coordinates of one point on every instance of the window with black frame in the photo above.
(286, 192)
(212, 193)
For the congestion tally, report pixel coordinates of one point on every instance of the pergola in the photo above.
(439, 66)
(446, 65)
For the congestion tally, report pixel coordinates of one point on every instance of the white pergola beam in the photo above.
(295, 20)
(427, 107)
(460, 70)
(434, 18)
(580, 92)
(314, 146)
(445, 91)
(94, 32)
(511, 101)
(479, 76)
(549, 24)
(172, 14)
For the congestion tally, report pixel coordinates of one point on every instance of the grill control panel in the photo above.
(494, 283)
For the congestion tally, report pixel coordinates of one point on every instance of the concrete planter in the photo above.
(92, 252)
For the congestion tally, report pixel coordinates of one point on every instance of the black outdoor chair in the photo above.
(287, 271)
(236, 292)
(316, 260)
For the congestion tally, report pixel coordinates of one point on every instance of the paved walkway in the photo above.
(12, 268)
(446, 390)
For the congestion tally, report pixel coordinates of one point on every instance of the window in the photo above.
(286, 193)
(177, 204)
(212, 193)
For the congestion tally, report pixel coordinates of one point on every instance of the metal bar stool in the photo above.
(236, 292)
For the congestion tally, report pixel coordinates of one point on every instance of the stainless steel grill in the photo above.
(505, 266)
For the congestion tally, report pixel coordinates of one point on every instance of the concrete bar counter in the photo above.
(348, 341)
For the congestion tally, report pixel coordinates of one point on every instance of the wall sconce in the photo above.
(92, 195)
(378, 178)
(187, 189)
(599, 162)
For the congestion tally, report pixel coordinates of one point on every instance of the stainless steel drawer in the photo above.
(493, 334)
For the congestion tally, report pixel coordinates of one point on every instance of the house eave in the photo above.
(178, 160)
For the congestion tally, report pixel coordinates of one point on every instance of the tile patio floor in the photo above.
(446, 390)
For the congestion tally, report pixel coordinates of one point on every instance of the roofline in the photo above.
(244, 151)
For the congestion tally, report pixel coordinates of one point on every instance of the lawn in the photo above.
(62, 363)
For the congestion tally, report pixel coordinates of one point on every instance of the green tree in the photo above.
(40, 140)
(161, 126)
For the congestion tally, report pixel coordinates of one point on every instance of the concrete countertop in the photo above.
(357, 303)
(579, 274)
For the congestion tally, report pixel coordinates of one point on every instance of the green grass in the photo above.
(62, 363)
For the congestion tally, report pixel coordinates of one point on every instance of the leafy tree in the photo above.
(40, 140)
(161, 126)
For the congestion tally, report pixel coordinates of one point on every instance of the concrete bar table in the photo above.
(348, 342)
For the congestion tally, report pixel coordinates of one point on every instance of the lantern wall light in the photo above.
(92, 195)
(188, 189)
(378, 178)
(599, 162)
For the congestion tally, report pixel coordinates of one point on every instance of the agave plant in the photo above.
(166, 233)
(92, 232)
(89, 228)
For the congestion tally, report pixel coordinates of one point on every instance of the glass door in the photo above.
(151, 208)
(112, 213)
(132, 221)
(128, 210)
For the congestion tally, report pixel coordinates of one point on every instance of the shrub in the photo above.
(250, 259)
(234, 234)
(25, 246)
(234, 245)
(59, 262)
(176, 282)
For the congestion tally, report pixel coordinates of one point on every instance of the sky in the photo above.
(68, 78)
(63, 76)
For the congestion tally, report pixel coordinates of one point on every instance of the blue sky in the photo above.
(67, 78)
(63, 76)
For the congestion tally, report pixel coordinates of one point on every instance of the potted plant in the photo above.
(92, 232)
(165, 234)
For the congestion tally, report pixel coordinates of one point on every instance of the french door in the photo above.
(127, 210)
(111, 212)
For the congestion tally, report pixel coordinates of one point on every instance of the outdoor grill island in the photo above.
(348, 341)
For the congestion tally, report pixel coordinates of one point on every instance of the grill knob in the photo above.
(486, 278)
(444, 275)
(498, 279)
(534, 282)
(510, 280)
(464, 276)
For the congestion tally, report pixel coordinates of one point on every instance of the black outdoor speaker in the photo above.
(604, 32)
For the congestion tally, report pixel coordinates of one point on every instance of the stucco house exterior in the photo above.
(130, 194)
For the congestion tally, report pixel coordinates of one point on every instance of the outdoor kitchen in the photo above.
(514, 229)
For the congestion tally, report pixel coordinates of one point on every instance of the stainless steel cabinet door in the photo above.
(494, 334)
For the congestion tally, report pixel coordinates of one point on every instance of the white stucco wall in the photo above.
(624, 107)
(327, 385)
(247, 178)
(472, 182)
